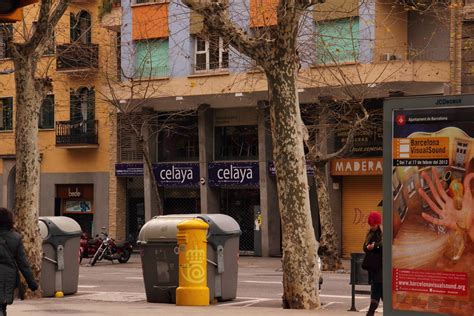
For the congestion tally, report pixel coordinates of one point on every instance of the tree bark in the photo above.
(300, 269)
(29, 94)
(329, 248)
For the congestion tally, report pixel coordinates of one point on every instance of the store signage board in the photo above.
(177, 174)
(233, 174)
(129, 169)
(428, 165)
(309, 168)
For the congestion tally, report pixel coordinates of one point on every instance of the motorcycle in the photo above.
(104, 247)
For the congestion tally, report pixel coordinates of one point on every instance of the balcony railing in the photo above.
(77, 133)
(77, 57)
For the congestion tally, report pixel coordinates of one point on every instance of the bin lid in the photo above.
(55, 226)
(221, 225)
(163, 227)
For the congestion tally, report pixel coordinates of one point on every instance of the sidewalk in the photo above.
(71, 306)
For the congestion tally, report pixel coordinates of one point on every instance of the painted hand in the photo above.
(444, 206)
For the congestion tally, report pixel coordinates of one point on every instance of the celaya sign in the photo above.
(356, 167)
(178, 174)
(233, 174)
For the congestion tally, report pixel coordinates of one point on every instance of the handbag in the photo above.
(372, 261)
(20, 285)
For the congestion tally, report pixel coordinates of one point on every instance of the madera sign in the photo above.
(233, 174)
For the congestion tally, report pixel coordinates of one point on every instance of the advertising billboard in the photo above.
(429, 184)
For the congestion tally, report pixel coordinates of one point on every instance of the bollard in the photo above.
(192, 248)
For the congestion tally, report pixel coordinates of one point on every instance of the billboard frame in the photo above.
(390, 105)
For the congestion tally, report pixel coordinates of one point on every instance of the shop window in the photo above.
(6, 114)
(46, 118)
(236, 142)
(179, 142)
(6, 36)
(81, 27)
(337, 41)
(210, 54)
(151, 59)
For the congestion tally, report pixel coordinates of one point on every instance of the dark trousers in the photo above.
(3, 309)
(376, 291)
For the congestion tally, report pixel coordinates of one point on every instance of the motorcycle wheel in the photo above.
(125, 256)
(96, 256)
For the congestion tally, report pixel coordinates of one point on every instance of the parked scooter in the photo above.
(104, 247)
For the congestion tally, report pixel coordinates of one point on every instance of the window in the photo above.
(51, 43)
(211, 54)
(82, 106)
(46, 118)
(6, 114)
(151, 59)
(6, 35)
(180, 141)
(80, 27)
(337, 41)
(236, 142)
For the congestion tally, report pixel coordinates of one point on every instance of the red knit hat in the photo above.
(374, 218)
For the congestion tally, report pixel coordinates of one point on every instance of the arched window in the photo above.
(81, 27)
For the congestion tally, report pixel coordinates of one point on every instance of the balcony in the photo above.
(77, 134)
(77, 57)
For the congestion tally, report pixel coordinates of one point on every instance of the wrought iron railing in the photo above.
(77, 133)
(77, 56)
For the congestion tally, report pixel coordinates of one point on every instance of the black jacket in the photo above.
(9, 277)
(375, 275)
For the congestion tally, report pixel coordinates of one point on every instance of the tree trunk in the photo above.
(329, 248)
(28, 101)
(149, 166)
(300, 269)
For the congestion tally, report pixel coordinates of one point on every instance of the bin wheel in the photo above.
(96, 257)
(125, 256)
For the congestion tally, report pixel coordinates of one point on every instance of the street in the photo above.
(259, 285)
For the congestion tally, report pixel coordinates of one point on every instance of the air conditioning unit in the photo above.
(390, 57)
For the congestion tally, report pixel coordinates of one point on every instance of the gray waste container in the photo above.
(159, 254)
(60, 267)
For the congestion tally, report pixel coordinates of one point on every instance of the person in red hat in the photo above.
(373, 260)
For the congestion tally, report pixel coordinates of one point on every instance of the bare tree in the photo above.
(275, 52)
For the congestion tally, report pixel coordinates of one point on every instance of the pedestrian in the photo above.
(12, 261)
(373, 260)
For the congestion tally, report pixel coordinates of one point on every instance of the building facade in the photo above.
(222, 161)
(74, 123)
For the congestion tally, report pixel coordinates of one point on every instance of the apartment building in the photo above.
(73, 123)
(382, 49)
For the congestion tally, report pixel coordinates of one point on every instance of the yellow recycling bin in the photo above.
(192, 247)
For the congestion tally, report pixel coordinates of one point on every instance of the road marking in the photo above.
(88, 286)
(329, 304)
(262, 282)
(343, 296)
(134, 278)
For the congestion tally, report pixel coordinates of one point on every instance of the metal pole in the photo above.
(353, 272)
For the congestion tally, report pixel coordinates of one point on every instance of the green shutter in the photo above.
(74, 109)
(338, 41)
(73, 27)
(151, 59)
(46, 119)
(8, 113)
(91, 104)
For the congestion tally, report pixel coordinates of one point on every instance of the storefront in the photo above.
(238, 184)
(361, 193)
(77, 202)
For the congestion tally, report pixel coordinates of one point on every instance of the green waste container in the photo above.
(60, 265)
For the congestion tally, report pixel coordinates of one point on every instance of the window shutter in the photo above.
(73, 27)
(74, 111)
(91, 104)
(8, 110)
